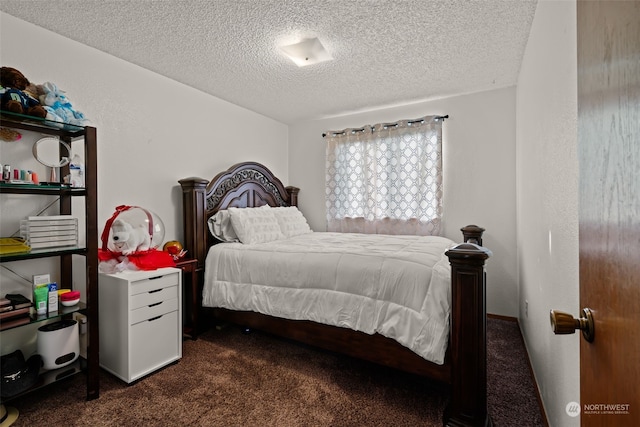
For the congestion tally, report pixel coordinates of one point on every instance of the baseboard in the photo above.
(501, 317)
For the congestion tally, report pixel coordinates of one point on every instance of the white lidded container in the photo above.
(59, 343)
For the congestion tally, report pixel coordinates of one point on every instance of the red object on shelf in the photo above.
(70, 296)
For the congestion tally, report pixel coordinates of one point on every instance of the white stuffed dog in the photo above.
(127, 239)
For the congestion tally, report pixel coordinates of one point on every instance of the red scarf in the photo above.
(144, 260)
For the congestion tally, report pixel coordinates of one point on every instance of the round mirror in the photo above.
(47, 151)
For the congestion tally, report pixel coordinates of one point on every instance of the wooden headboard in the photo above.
(247, 184)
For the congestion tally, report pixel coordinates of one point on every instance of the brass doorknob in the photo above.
(564, 323)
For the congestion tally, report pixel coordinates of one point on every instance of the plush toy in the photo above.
(35, 91)
(9, 135)
(58, 107)
(14, 98)
(128, 239)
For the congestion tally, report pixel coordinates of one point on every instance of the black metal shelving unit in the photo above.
(87, 136)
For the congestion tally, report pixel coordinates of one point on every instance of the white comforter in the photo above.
(398, 286)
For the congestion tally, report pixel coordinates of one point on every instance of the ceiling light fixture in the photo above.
(307, 52)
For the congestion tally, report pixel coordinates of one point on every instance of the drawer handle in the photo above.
(155, 290)
(157, 303)
(155, 277)
(155, 318)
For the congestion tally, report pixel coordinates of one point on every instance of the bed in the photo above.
(460, 363)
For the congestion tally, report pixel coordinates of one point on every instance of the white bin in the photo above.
(58, 343)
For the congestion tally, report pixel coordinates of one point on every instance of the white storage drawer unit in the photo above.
(140, 321)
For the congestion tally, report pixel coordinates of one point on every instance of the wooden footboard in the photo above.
(251, 184)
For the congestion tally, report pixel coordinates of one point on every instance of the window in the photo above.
(386, 178)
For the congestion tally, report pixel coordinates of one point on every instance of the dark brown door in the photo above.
(609, 156)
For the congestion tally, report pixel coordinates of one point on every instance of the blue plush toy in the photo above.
(59, 107)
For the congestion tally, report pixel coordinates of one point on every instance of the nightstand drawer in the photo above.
(153, 297)
(154, 343)
(153, 283)
(155, 310)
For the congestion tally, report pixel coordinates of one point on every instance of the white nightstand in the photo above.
(140, 321)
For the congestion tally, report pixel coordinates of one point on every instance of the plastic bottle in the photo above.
(76, 170)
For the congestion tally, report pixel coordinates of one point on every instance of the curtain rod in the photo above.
(446, 116)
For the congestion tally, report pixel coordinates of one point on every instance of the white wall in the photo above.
(479, 174)
(547, 170)
(152, 131)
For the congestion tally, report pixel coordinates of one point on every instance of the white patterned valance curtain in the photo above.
(385, 179)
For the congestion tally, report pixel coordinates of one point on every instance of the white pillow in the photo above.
(221, 228)
(255, 225)
(292, 222)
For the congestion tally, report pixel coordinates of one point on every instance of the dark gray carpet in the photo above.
(226, 378)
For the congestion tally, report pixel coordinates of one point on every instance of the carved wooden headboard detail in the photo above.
(248, 184)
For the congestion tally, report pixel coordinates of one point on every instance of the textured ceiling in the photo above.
(385, 52)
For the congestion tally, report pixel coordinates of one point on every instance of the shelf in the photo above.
(49, 377)
(43, 253)
(35, 318)
(36, 124)
(40, 189)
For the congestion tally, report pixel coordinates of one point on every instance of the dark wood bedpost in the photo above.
(193, 209)
(293, 195)
(468, 405)
(472, 234)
